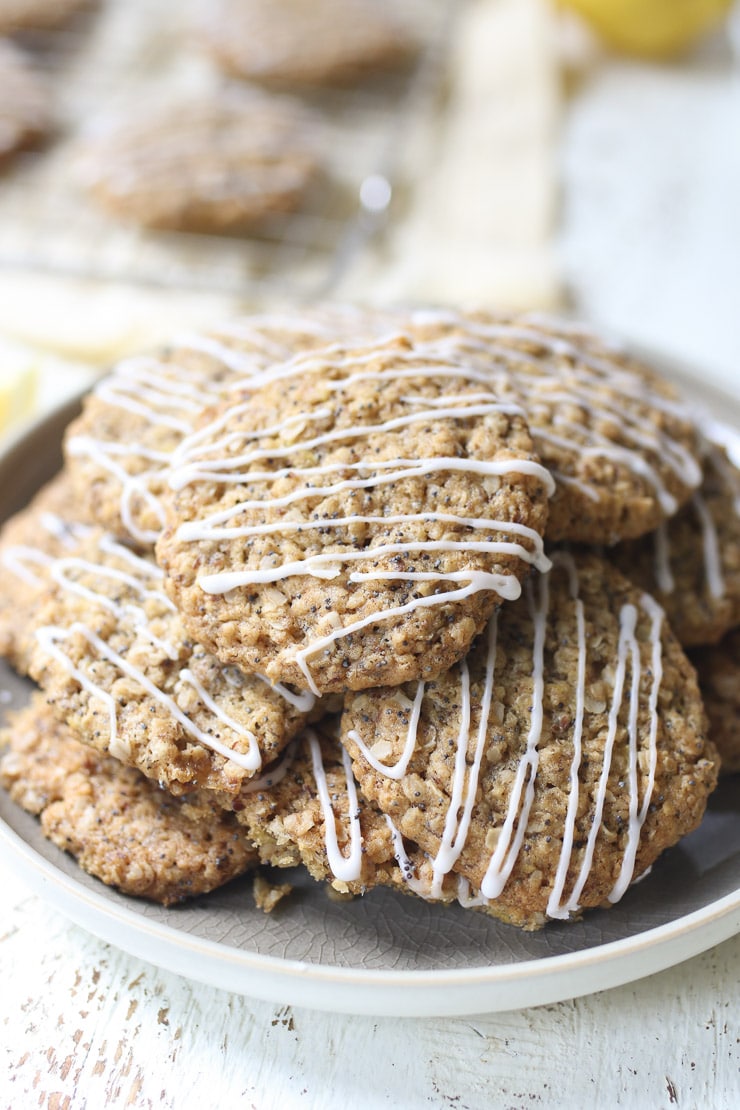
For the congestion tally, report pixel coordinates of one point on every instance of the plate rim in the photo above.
(328, 987)
(384, 991)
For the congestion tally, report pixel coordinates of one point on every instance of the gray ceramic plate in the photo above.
(385, 954)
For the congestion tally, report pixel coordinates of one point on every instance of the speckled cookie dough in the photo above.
(306, 42)
(121, 827)
(691, 564)
(113, 659)
(624, 451)
(220, 164)
(718, 668)
(356, 519)
(556, 762)
(25, 110)
(29, 542)
(119, 449)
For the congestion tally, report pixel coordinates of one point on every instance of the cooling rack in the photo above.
(128, 51)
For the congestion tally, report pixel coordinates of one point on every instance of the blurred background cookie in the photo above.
(216, 163)
(25, 107)
(36, 15)
(284, 43)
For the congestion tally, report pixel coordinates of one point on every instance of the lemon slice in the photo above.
(651, 28)
(17, 392)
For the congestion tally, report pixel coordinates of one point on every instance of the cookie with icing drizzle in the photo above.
(121, 827)
(25, 110)
(221, 163)
(691, 563)
(317, 817)
(115, 662)
(623, 449)
(555, 763)
(119, 449)
(306, 42)
(29, 543)
(356, 519)
(718, 668)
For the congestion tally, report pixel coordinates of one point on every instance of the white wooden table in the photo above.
(85, 1025)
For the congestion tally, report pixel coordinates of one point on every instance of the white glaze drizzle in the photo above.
(50, 636)
(553, 904)
(345, 868)
(230, 464)
(637, 816)
(398, 770)
(135, 617)
(522, 795)
(15, 557)
(710, 542)
(249, 370)
(628, 676)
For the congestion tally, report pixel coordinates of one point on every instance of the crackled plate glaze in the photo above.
(386, 953)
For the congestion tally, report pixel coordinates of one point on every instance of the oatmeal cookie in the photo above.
(355, 520)
(29, 543)
(119, 449)
(116, 664)
(220, 164)
(624, 451)
(306, 42)
(691, 563)
(718, 668)
(121, 827)
(25, 110)
(315, 815)
(555, 763)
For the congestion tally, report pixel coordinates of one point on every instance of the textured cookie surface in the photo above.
(119, 449)
(120, 826)
(691, 564)
(623, 450)
(113, 659)
(306, 42)
(554, 764)
(355, 520)
(24, 105)
(29, 542)
(216, 165)
(718, 668)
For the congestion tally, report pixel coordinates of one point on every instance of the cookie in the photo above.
(355, 520)
(624, 451)
(306, 43)
(29, 543)
(113, 659)
(121, 827)
(25, 110)
(37, 15)
(691, 563)
(216, 164)
(555, 763)
(718, 668)
(118, 451)
(316, 816)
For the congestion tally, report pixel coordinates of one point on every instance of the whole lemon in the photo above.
(650, 28)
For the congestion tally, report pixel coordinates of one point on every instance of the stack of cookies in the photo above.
(401, 597)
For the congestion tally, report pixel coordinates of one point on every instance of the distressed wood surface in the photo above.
(85, 1025)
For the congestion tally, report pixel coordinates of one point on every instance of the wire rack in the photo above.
(125, 50)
